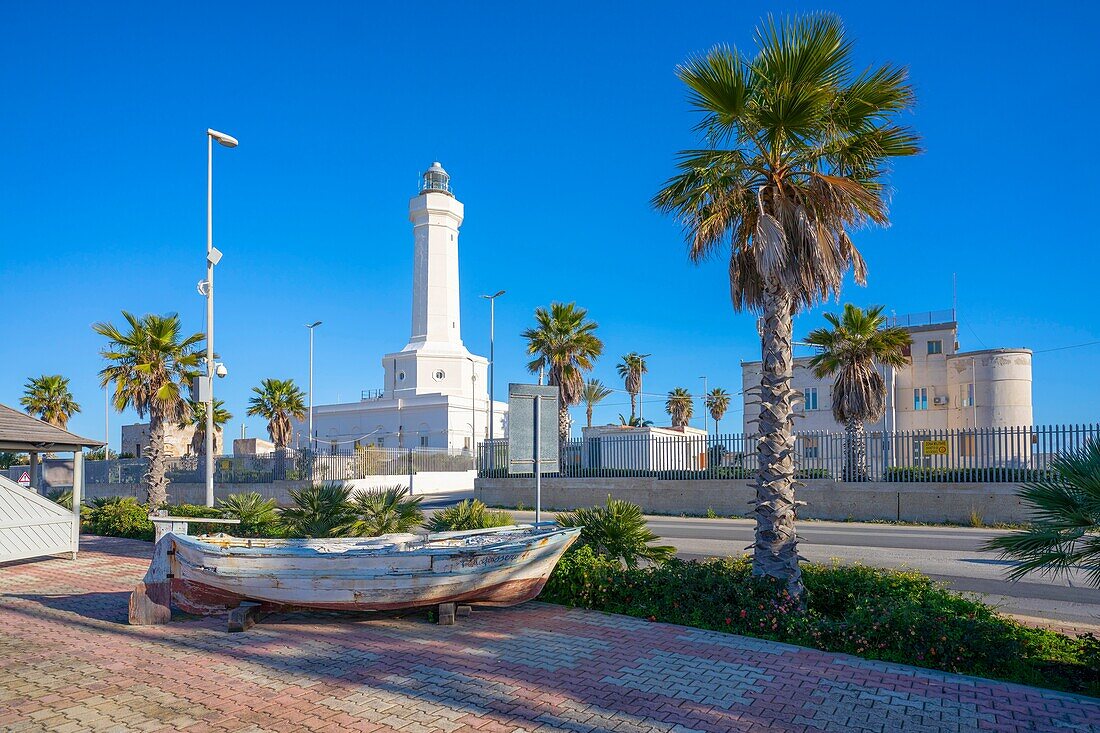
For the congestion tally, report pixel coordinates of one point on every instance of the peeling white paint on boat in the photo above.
(502, 566)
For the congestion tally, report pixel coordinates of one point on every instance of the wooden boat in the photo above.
(211, 574)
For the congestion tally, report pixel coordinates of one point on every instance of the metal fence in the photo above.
(1009, 454)
(287, 466)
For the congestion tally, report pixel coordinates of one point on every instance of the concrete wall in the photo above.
(428, 482)
(826, 499)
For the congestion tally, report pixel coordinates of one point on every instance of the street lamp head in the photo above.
(315, 324)
(227, 140)
(497, 294)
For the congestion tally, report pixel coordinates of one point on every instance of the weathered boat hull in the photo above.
(355, 576)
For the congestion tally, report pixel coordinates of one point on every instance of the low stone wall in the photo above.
(825, 499)
(427, 482)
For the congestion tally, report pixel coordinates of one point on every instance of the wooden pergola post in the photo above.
(78, 495)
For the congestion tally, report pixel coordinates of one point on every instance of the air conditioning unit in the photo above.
(939, 400)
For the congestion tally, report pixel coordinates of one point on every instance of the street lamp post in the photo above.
(706, 423)
(311, 326)
(492, 362)
(213, 256)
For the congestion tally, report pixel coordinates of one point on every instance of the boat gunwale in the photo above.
(197, 544)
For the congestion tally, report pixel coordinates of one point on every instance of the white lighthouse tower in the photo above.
(435, 392)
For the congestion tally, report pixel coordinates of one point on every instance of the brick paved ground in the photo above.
(69, 662)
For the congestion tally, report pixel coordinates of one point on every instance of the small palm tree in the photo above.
(564, 342)
(467, 514)
(593, 393)
(151, 364)
(796, 148)
(1065, 526)
(386, 511)
(320, 510)
(277, 401)
(196, 418)
(852, 349)
(680, 406)
(634, 422)
(617, 530)
(48, 398)
(630, 370)
(717, 402)
(257, 514)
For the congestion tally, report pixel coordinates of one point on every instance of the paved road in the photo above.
(71, 663)
(951, 554)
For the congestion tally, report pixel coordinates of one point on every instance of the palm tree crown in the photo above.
(680, 406)
(564, 342)
(851, 350)
(1065, 528)
(796, 147)
(150, 365)
(630, 370)
(593, 393)
(717, 402)
(196, 418)
(277, 401)
(48, 398)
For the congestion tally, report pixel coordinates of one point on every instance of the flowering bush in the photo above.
(891, 615)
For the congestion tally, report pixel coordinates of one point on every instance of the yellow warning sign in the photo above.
(934, 447)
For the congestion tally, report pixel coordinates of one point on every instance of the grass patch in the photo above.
(889, 615)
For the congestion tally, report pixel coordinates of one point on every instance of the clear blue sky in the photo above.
(557, 123)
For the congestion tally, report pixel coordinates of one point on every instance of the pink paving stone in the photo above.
(66, 646)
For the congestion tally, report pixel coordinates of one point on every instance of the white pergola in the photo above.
(30, 525)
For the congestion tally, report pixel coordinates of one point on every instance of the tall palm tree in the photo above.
(852, 350)
(593, 393)
(563, 341)
(277, 401)
(48, 398)
(680, 407)
(631, 369)
(196, 418)
(796, 147)
(1065, 520)
(717, 402)
(151, 364)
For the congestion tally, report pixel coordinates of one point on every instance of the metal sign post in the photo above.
(533, 434)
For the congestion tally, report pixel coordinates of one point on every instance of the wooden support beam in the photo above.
(462, 611)
(446, 614)
(151, 601)
(244, 616)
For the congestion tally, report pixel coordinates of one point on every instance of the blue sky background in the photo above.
(557, 123)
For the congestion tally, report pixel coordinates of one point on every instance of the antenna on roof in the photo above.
(954, 296)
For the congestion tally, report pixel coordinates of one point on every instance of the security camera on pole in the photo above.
(213, 257)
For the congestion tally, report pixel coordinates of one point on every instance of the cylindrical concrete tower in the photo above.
(436, 216)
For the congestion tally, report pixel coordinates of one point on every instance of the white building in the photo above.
(435, 393)
(941, 388)
(648, 448)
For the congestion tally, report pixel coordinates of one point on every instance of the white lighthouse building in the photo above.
(435, 393)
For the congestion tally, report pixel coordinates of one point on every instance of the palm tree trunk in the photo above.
(154, 479)
(589, 415)
(633, 405)
(855, 451)
(563, 431)
(775, 551)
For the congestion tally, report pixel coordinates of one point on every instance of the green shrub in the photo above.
(386, 511)
(199, 511)
(878, 614)
(320, 510)
(259, 516)
(466, 515)
(118, 517)
(617, 530)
